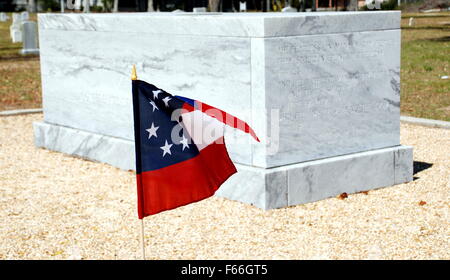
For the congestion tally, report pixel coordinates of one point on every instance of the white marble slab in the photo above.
(319, 179)
(334, 93)
(225, 24)
(312, 181)
(97, 147)
(403, 162)
(90, 88)
(248, 185)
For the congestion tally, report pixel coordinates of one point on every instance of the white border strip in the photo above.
(425, 122)
(20, 112)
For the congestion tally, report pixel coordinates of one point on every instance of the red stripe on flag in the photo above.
(188, 107)
(185, 182)
(226, 118)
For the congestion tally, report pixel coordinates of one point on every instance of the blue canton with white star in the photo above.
(156, 147)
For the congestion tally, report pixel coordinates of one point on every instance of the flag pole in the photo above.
(134, 78)
(133, 73)
(142, 239)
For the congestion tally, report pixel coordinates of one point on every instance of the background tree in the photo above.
(32, 6)
(150, 6)
(213, 5)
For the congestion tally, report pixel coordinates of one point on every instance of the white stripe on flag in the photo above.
(203, 129)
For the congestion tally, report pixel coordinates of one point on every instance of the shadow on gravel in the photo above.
(420, 166)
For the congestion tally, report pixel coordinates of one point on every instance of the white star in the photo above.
(185, 143)
(166, 149)
(166, 100)
(154, 106)
(155, 93)
(152, 131)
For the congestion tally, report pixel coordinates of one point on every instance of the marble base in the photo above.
(265, 188)
(29, 51)
(96, 147)
(315, 180)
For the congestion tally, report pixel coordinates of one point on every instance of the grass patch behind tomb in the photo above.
(425, 59)
(20, 81)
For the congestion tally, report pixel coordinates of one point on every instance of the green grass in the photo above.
(9, 50)
(425, 59)
(20, 82)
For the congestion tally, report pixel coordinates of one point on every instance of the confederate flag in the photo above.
(180, 150)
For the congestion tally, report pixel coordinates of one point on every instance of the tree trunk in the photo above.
(352, 5)
(116, 6)
(213, 5)
(32, 6)
(150, 6)
(86, 6)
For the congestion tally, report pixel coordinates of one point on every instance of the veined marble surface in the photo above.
(336, 94)
(319, 179)
(89, 87)
(311, 181)
(97, 147)
(307, 96)
(225, 24)
(403, 163)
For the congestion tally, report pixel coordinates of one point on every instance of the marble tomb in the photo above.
(321, 90)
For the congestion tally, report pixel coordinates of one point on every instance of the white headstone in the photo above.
(24, 16)
(16, 18)
(16, 35)
(3, 17)
(242, 6)
(86, 4)
(77, 5)
(289, 9)
(199, 10)
(29, 38)
(14, 29)
(411, 21)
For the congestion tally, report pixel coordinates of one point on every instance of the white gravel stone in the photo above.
(58, 207)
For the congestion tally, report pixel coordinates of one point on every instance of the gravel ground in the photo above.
(55, 206)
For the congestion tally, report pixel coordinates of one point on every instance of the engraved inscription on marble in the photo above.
(336, 91)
